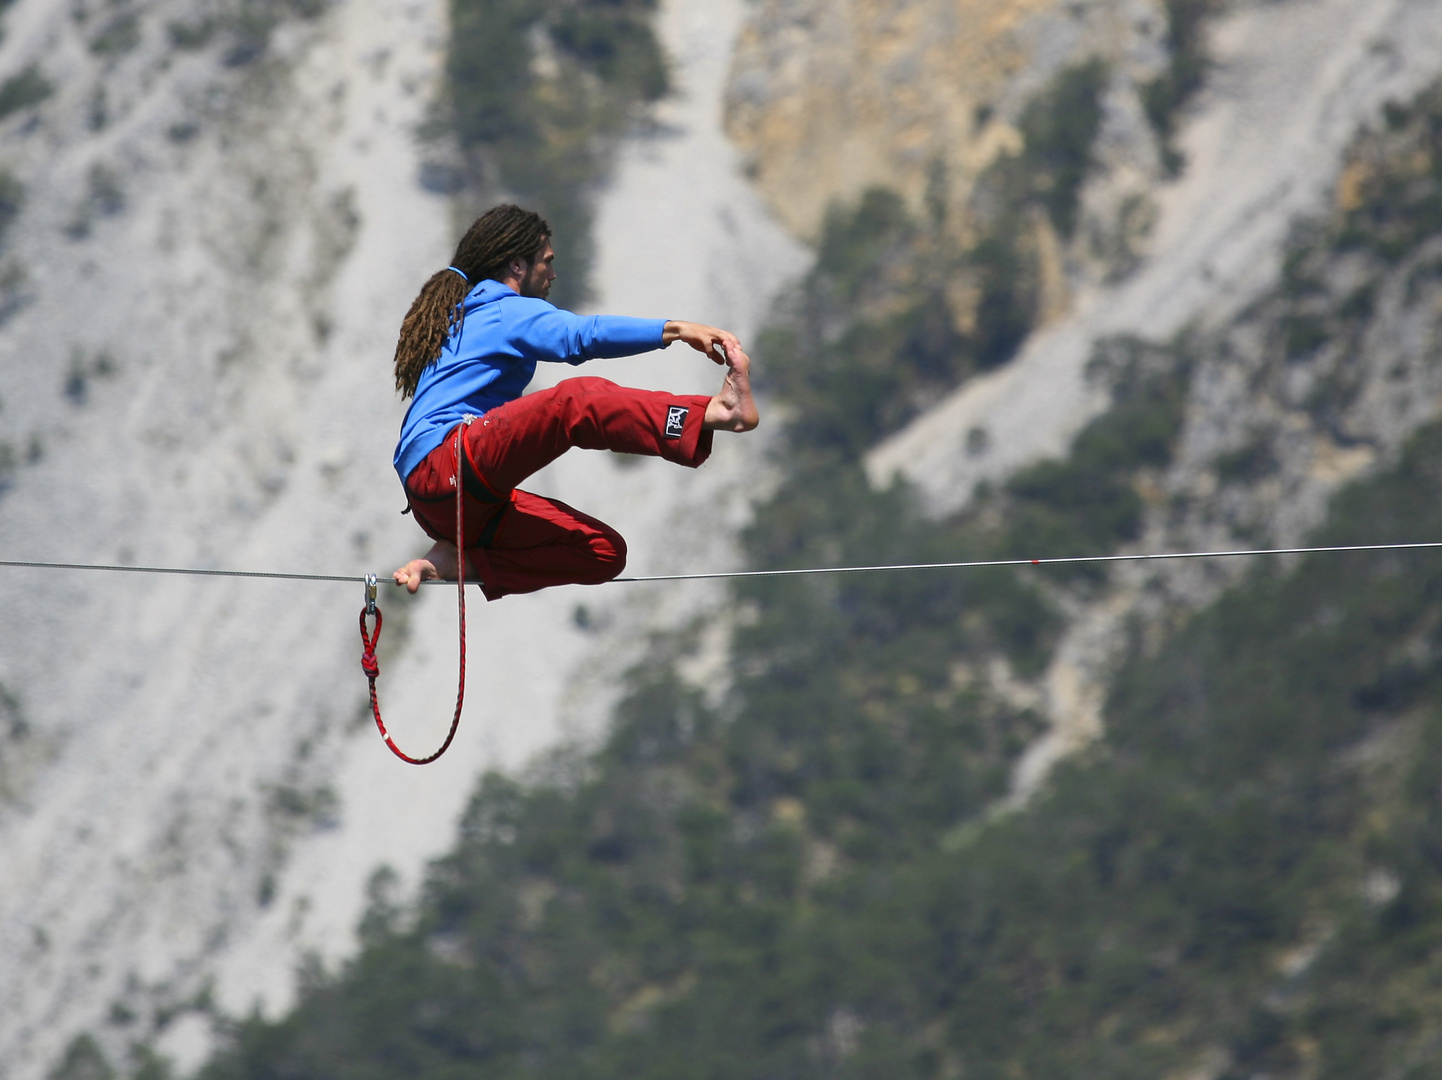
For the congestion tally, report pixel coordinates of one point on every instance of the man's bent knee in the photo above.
(608, 552)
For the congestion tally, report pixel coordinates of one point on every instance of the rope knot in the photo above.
(369, 664)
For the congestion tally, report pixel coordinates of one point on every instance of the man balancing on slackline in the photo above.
(467, 349)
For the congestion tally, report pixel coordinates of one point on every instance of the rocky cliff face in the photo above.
(220, 227)
(1317, 383)
(829, 99)
(222, 222)
(924, 98)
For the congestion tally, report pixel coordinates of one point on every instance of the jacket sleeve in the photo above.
(542, 331)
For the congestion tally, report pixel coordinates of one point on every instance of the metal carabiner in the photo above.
(371, 582)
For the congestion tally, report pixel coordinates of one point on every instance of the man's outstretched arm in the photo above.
(702, 338)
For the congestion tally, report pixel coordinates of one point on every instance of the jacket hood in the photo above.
(487, 291)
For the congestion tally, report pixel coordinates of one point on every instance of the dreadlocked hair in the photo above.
(499, 235)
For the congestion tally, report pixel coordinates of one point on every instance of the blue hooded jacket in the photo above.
(492, 358)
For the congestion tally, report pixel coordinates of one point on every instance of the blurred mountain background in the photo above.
(1021, 277)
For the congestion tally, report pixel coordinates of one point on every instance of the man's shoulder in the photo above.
(528, 309)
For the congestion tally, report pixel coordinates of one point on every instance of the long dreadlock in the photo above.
(499, 235)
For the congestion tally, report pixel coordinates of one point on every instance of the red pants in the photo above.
(518, 542)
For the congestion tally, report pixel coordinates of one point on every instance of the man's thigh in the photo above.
(533, 521)
(516, 439)
(541, 542)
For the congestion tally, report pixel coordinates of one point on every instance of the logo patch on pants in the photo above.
(675, 420)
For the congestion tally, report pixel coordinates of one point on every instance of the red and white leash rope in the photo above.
(371, 666)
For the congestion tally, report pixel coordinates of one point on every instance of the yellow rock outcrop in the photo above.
(830, 97)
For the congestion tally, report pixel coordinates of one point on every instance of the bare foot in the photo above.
(438, 563)
(733, 409)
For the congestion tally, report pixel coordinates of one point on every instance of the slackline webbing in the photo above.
(182, 570)
(371, 611)
(974, 564)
